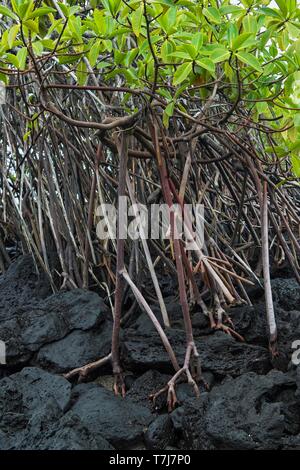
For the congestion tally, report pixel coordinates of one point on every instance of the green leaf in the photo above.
(191, 50)
(250, 24)
(12, 59)
(297, 121)
(168, 112)
(293, 30)
(170, 109)
(136, 20)
(242, 41)
(22, 56)
(100, 22)
(180, 55)
(64, 8)
(94, 53)
(197, 41)
(219, 55)
(182, 73)
(74, 9)
(232, 33)
(114, 6)
(295, 160)
(168, 3)
(130, 56)
(37, 47)
(48, 43)
(12, 35)
(75, 27)
(212, 14)
(168, 20)
(15, 5)
(166, 50)
(68, 59)
(282, 6)
(207, 64)
(32, 25)
(81, 73)
(25, 8)
(270, 12)
(103, 65)
(41, 12)
(26, 136)
(228, 9)
(249, 59)
(7, 12)
(3, 78)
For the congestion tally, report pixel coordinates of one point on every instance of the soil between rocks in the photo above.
(252, 403)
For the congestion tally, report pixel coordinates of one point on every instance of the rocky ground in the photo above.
(253, 402)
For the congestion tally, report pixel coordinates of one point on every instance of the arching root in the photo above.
(192, 372)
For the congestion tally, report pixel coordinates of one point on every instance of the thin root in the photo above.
(229, 331)
(82, 372)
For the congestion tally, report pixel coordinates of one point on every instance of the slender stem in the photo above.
(120, 259)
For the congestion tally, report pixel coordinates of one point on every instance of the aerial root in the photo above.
(84, 371)
(192, 372)
(119, 384)
(229, 331)
(221, 319)
(273, 348)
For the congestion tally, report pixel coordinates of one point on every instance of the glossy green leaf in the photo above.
(94, 53)
(219, 55)
(12, 35)
(22, 56)
(182, 73)
(212, 14)
(207, 64)
(41, 12)
(249, 59)
(7, 12)
(136, 20)
(242, 41)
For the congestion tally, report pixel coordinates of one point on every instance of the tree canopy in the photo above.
(170, 49)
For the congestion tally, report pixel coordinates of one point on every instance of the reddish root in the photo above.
(273, 348)
(192, 372)
(119, 384)
(230, 331)
(218, 319)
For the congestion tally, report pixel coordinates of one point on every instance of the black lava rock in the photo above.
(287, 293)
(76, 349)
(160, 433)
(253, 412)
(27, 329)
(220, 354)
(21, 285)
(120, 421)
(27, 399)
